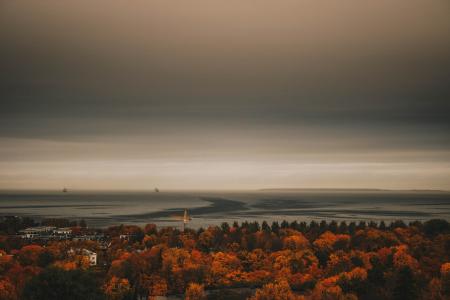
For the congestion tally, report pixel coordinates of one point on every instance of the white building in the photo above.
(34, 232)
(63, 231)
(92, 256)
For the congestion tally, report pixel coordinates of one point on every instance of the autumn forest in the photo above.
(326, 260)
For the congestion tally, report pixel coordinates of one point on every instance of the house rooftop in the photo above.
(38, 229)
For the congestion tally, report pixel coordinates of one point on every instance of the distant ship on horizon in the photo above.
(156, 190)
(65, 190)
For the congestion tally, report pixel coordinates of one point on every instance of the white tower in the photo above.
(186, 219)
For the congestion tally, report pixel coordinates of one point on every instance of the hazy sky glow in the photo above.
(224, 94)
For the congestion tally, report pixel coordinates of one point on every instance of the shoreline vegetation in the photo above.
(62, 259)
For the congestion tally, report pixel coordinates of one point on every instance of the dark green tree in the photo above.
(45, 258)
(56, 284)
(343, 227)
(435, 227)
(275, 227)
(265, 227)
(323, 226)
(405, 285)
(225, 227)
(333, 227)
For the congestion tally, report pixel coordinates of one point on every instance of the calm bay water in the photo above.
(102, 209)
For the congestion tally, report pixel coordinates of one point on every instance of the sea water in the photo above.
(101, 209)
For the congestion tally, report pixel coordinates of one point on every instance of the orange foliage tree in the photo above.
(116, 288)
(276, 291)
(195, 291)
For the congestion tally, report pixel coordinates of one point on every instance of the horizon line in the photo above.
(281, 189)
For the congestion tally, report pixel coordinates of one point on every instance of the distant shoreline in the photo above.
(166, 191)
(350, 190)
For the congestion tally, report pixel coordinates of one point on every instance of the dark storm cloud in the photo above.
(239, 78)
(75, 60)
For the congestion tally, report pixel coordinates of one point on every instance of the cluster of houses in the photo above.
(47, 233)
(54, 233)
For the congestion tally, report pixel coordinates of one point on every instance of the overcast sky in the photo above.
(237, 94)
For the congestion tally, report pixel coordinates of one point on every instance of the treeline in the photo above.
(296, 260)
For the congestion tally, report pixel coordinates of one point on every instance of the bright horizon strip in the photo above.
(137, 175)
